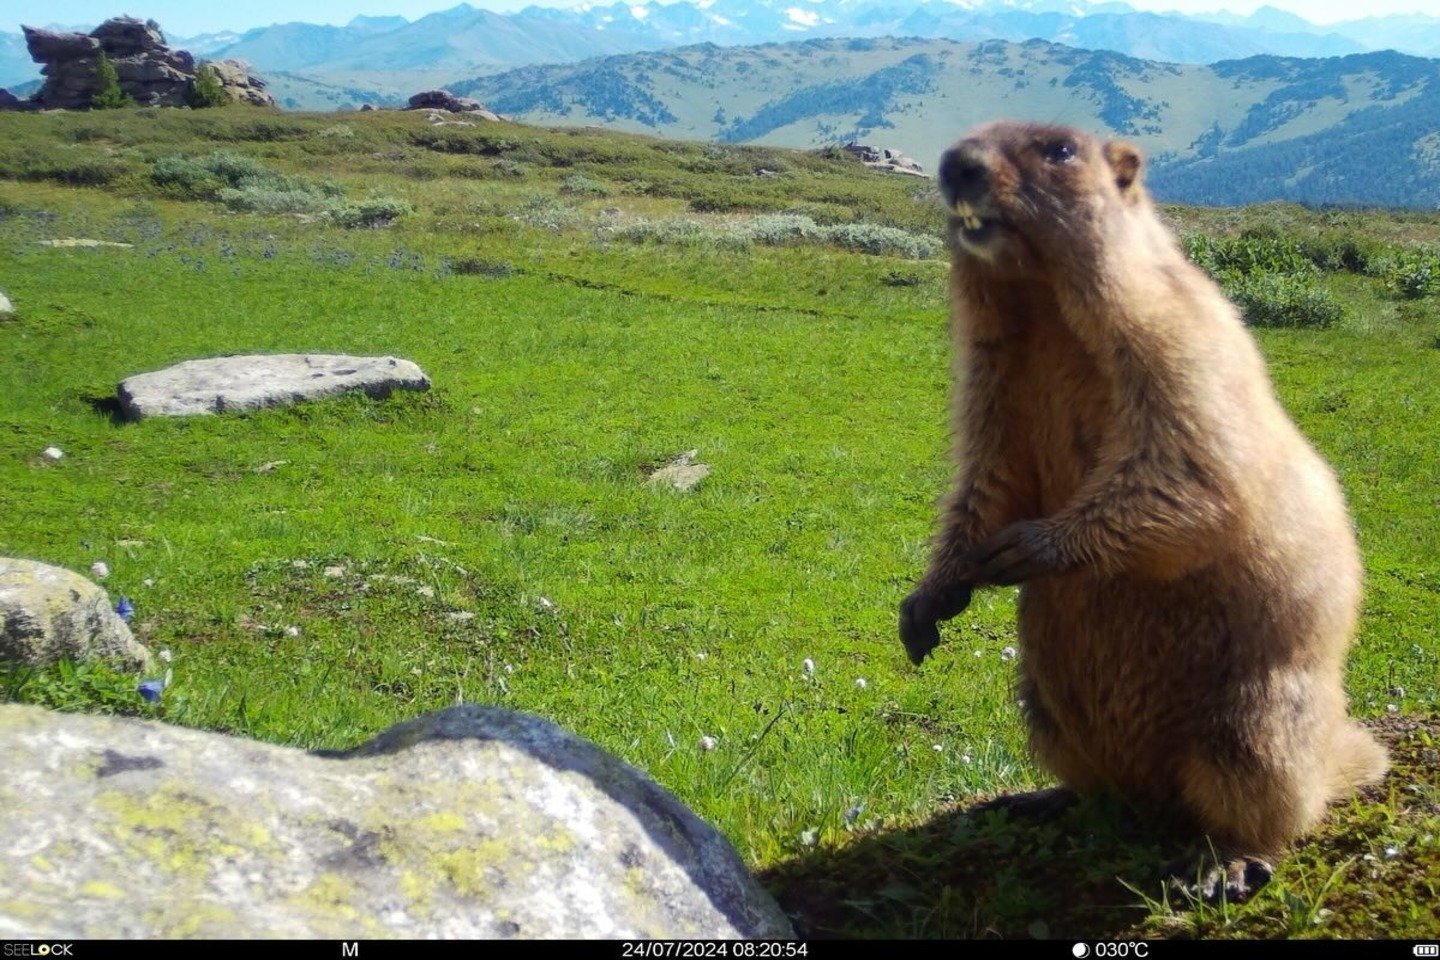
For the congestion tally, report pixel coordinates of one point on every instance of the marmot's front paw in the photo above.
(920, 616)
(1019, 552)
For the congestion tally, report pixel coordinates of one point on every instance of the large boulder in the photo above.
(128, 37)
(242, 85)
(149, 71)
(49, 614)
(227, 384)
(473, 822)
(443, 100)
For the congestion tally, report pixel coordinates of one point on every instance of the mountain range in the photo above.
(1359, 129)
(385, 58)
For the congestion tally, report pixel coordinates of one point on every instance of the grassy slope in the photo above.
(812, 379)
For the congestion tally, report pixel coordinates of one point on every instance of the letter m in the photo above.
(351, 949)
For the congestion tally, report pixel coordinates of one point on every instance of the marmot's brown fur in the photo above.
(1190, 577)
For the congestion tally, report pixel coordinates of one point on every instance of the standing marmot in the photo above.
(1190, 577)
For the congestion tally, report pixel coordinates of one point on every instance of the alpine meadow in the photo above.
(593, 306)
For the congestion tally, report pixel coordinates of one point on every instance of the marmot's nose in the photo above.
(964, 174)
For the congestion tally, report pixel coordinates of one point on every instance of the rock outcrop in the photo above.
(228, 384)
(443, 101)
(50, 613)
(883, 158)
(149, 71)
(473, 822)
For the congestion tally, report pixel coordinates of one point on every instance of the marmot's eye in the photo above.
(1061, 151)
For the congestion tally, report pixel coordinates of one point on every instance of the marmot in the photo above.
(1190, 579)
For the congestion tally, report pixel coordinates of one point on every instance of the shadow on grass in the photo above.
(977, 872)
(1370, 870)
(109, 406)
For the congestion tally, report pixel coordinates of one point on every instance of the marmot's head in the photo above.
(1025, 196)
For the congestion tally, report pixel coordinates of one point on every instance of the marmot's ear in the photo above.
(1124, 159)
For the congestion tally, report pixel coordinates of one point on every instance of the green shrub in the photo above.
(62, 165)
(1413, 275)
(544, 211)
(1278, 300)
(1254, 251)
(1335, 252)
(208, 91)
(264, 198)
(580, 185)
(375, 211)
(480, 267)
(187, 178)
(780, 229)
(872, 238)
(108, 95)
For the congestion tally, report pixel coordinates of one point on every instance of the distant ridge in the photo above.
(1363, 128)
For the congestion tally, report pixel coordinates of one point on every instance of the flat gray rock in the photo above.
(470, 822)
(226, 384)
(6, 307)
(50, 613)
(681, 473)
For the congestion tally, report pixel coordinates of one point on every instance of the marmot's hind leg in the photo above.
(1250, 805)
(1356, 760)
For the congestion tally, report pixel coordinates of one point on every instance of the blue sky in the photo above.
(189, 17)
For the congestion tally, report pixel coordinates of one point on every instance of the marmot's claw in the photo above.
(1234, 880)
(1019, 552)
(920, 616)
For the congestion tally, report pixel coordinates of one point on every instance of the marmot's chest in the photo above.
(1065, 409)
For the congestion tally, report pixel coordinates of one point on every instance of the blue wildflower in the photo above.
(151, 690)
(125, 609)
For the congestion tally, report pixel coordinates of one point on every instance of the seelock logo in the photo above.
(38, 950)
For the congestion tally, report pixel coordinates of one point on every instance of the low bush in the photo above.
(1279, 300)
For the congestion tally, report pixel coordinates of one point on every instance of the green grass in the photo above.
(493, 540)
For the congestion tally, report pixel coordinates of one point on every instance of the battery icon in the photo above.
(1427, 949)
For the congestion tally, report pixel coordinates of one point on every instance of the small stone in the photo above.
(682, 472)
(52, 453)
(545, 605)
(808, 666)
(1008, 653)
(292, 631)
(861, 683)
(99, 570)
(708, 743)
(6, 307)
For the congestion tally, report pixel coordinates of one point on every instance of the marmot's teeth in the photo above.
(972, 222)
(964, 211)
